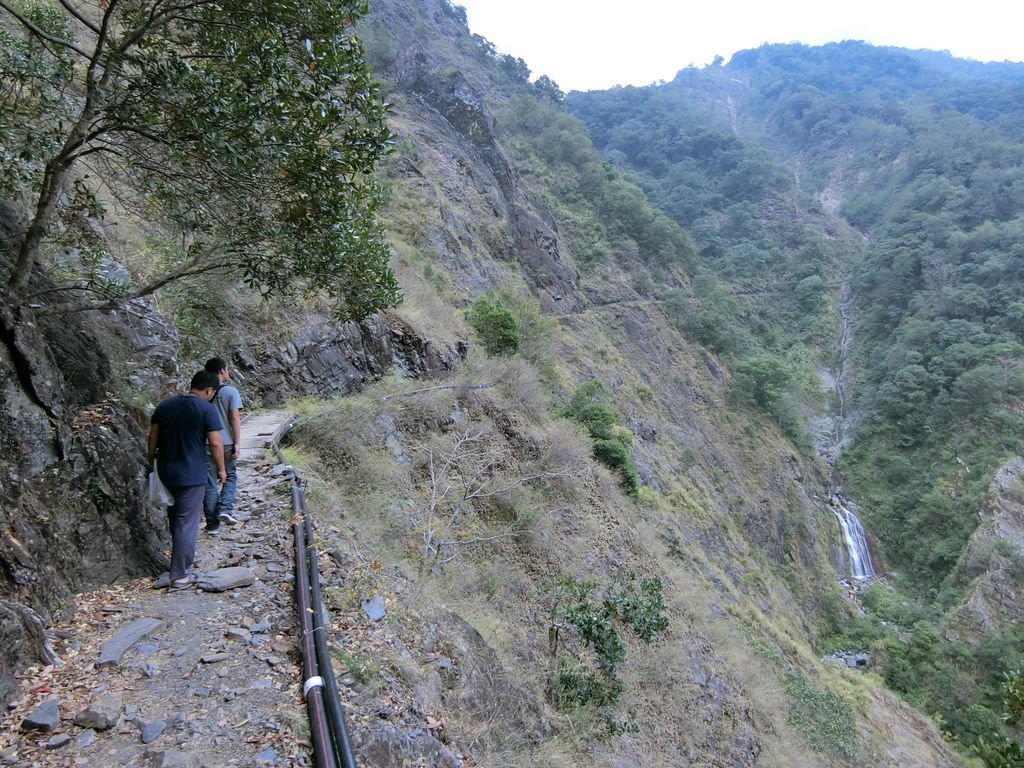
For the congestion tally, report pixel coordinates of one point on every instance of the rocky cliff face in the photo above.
(994, 561)
(72, 511)
(735, 503)
(445, 113)
(324, 358)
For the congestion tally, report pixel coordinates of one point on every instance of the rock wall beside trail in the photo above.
(326, 358)
(72, 458)
(72, 475)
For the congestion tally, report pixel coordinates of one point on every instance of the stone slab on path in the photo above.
(114, 649)
(224, 579)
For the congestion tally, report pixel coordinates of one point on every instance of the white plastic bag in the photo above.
(158, 493)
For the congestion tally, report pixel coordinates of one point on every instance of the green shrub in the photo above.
(613, 454)
(1000, 753)
(575, 685)
(534, 328)
(590, 407)
(997, 751)
(1013, 689)
(974, 722)
(760, 380)
(597, 418)
(640, 605)
(579, 622)
(495, 326)
(824, 721)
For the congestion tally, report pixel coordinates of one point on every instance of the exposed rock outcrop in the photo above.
(533, 240)
(72, 463)
(22, 635)
(995, 558)
(327, 358)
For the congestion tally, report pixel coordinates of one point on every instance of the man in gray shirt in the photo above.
(218, 505)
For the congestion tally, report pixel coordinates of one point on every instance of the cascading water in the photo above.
(832, 431)
(861, 568)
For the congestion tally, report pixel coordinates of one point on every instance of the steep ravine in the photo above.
(832, 430)
(727, 517)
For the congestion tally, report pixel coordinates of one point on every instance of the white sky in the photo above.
(594, 44)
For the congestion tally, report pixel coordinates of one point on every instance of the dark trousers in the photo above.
(183, 519)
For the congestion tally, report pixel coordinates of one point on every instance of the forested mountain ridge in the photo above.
(920, 155)
(595, 545)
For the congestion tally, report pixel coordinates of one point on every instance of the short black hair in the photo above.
(216, 364)
(204, 379)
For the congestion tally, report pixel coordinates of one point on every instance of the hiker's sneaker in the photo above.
(227, 517)
(213, 530)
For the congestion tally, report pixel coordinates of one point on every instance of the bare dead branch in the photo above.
(480, 494)
(117, 302)
(476, 540)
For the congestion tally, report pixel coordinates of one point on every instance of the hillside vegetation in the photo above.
(574, 461)
(920, 155)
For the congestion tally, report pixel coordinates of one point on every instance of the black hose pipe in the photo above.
(312, 689)
(332, 699)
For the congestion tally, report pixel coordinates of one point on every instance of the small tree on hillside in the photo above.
(591, 407)
(495, 326)
(247, 127)
(585, 638)
(760, 380)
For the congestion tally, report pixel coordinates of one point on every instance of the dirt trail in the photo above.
(215, 685)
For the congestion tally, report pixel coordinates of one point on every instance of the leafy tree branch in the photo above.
(251, 129)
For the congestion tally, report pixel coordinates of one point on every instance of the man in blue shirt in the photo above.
(183, 429)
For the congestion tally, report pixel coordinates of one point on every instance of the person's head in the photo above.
(219, 367)
(204, 384)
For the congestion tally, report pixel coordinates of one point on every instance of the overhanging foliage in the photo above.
(250, 128)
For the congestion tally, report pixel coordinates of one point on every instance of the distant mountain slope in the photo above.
(922, 155)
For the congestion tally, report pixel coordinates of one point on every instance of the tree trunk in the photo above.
(53, 184)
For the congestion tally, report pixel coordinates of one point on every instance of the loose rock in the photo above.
(238, 634)
(58, 740)
(374, 608)
(224, 579)
(45, 717)
(152, 730)
(102, 713)
(85, 739)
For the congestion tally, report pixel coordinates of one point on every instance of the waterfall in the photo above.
(832, 432)
(856, 541)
